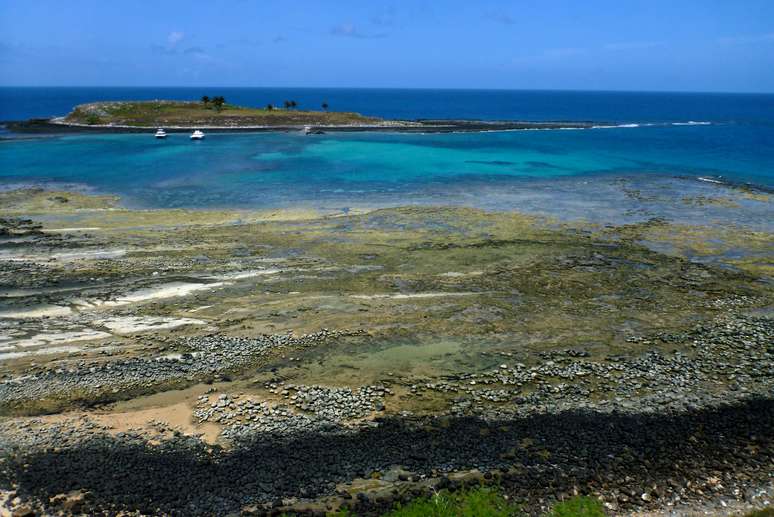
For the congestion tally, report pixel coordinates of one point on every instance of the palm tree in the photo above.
(218, 102)
(325, 106)
(293, 104)
(205, 100)
(288, 105)
(269, 107)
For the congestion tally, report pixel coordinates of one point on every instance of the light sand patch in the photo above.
(67, 230)
(13, 355)
(60, 337)
(409, 296)
(45, 351)
(455, 274)
(39, 311)
(172, 412)
(176, 289)
(95, 254)
(5, 499)
(131, 324)
(170, 290)
(178, 416)
(241, 275)
(63, 257)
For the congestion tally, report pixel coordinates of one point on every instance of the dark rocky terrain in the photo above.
(219, 363)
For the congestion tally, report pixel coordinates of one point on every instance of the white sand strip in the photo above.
(39, 311)
(130, 324)
(67, 230)
(176, 289)
(241, 275)
(409, 296)
(455, 274)
(45, 351)
(60, 337)
(170, 290)
(64, 257)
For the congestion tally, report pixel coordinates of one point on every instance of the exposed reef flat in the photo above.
(267, 361)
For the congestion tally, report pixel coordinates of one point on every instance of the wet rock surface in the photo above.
(482, 348)
(201, 358)
(654, 432)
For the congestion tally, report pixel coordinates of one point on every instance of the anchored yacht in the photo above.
(160, 133)
(197, 135)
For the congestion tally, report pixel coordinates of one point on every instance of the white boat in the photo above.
(197, 135)
(307, 130)
(160, 133)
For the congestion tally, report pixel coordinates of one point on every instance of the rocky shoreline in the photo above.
(631, 461)
(634, 450)
(54, 126)
(253, 364)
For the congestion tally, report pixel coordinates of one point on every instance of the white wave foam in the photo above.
(652, 124)
(710, 180)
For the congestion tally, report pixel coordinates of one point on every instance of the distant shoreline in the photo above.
(57, 125)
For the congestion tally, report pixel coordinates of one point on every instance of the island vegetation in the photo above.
(208, 112)
(216, 113)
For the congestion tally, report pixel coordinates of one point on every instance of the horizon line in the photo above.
(426, 88)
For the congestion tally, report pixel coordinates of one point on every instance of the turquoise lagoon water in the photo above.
(667, 143)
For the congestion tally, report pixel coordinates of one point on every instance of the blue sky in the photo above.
(680, 45)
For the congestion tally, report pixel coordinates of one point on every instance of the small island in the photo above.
(216, 114)
(205, 113)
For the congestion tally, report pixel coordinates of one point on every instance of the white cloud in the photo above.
(175, 37)
(195, 51)
(549, 55)
(500, 17)
(170, 48)
(385, 18)
(633, 45)
(749, 38)
(350, 31)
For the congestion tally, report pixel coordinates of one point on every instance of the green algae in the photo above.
(433, 287)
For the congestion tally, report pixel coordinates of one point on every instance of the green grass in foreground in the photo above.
(578, 507)
(479, 502)
(485, 502)
(765, 512)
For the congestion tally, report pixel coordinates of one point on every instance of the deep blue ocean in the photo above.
(657, 138)
(620, 107)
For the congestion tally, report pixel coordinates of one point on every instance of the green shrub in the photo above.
(765, 512)
(341, 512)
(477, 502)
(578, 507)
